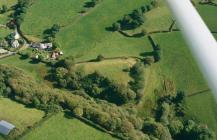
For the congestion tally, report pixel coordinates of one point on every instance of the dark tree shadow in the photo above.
(89, 4)
(145, 54)
(109, 29)
(34, 61)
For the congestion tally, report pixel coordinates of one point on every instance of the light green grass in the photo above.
(4, 32)
(209, 13)
(158, 19)
(60, 127)
(18, 115)
(88, 37)
(178, 65)
(44, 13)
(113, 69)
(203, 108)
(38, 71)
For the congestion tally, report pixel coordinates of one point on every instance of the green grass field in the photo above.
(51, 12)
(18, 115)
(60, 127)
(9, 3)
(178, 65)
(114, 69)
(38, 71)
(4, 32)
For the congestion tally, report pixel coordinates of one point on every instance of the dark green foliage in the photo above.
(133, 20)
(119, 94)
(4, 8)
(155, 3)
(149, 60)
(100, 58)
(94, 85)
(55, 29)
(20, 10)
(156, 130)
(176, 127)
(116, 26)
(137, 73)
(194, 131)
(56, 45)
(165, 111)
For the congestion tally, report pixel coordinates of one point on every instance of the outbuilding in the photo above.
(6, 127)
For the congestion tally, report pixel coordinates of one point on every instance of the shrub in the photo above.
(4, 8)
(100, 58)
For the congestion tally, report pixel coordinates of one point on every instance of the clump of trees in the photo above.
(134, 19)
(20, 10)
(157, 53)
(50, 34)
(171, 114)
(94, 84)
(138, 83)
(131, 21)
(92, 3)
(4, 9)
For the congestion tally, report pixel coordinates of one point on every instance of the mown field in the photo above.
(59, 127)
(18, 115)
(85, 37)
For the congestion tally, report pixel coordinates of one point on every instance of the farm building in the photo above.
(6, 127)
(3, 51)
(15, 44)
(42, 46)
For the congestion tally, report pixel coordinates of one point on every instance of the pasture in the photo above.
(19, 115)
(114, 69)
(59, 127)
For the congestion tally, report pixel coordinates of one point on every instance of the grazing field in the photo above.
(4, 32)
(178, 65)
(114, 69)
(87, 38)
(60, 127)
(51, 12)
(208, 13)
(158, 19)
(203, 108)
(38, 71)
(18, 115)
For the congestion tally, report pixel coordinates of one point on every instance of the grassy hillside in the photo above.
(59, 127)
(18, 115)
(178, 65)
(43, 14)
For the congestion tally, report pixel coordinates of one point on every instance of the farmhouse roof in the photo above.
(2, 51)
(6, 127)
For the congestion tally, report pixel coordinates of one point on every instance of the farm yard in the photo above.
(84, 32)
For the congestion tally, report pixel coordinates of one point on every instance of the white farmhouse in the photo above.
(15, 44)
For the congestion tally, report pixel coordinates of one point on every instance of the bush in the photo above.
(100, 58)
(116, 26)
(4, 8)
